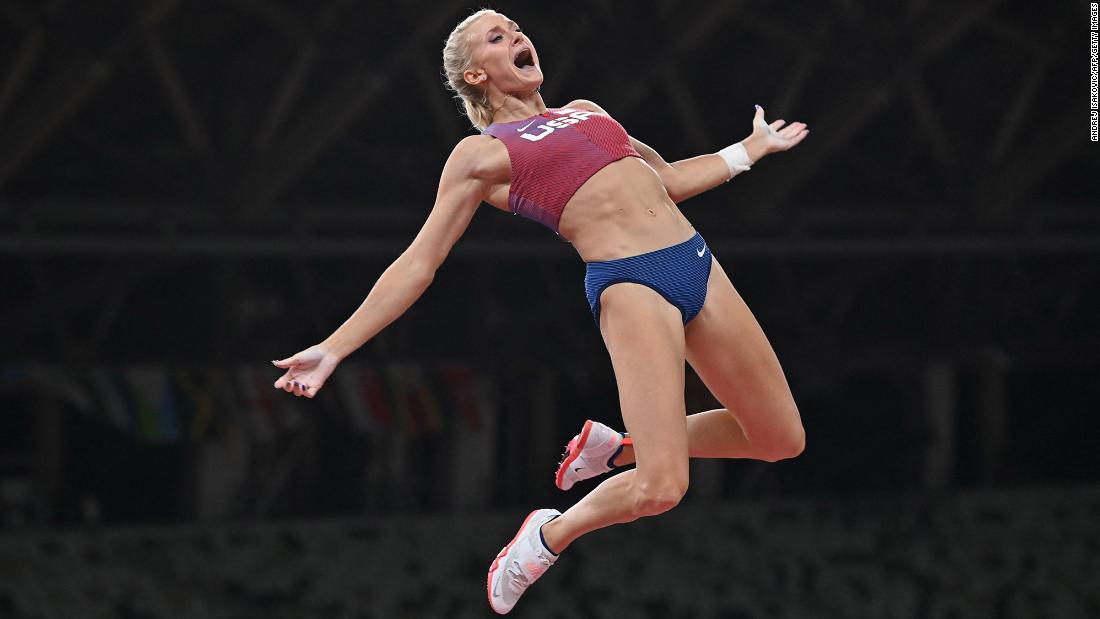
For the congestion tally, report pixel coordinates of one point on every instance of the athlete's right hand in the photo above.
(307, 371)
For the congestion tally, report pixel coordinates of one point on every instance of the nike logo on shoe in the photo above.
(702, 251)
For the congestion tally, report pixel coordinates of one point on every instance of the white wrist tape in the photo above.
(737, 158)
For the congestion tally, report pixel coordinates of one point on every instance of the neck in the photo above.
(511, 106)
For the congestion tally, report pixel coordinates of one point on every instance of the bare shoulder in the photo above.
(472, 147)
(585, 104)
(479, 156)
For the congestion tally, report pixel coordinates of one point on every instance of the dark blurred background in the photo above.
(191, 188)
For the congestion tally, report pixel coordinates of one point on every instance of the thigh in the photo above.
(644, 335)
(729, 351)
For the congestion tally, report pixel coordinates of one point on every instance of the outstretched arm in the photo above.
(690, 177)
(402, 283)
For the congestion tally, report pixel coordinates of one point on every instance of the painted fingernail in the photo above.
(756, 105)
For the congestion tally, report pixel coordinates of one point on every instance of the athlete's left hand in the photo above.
(774, 137)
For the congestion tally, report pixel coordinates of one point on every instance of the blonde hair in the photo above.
(456, 59)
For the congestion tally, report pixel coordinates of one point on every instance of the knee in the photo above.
(790, 444)
(652, 497)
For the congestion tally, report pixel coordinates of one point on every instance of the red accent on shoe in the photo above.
(574, 448)
(496, 561)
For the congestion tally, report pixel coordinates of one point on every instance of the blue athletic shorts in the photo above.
(678, 273)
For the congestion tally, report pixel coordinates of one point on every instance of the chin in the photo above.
(532, 78)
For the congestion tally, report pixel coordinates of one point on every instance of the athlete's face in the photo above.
(502, 55)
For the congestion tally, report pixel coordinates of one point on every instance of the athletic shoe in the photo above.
(520, 563)
(589, 454)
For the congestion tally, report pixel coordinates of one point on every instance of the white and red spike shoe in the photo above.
(520, 563)
(589, 454)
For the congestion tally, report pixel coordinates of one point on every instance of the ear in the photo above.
(474, 76)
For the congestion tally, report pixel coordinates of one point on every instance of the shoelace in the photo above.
(519, 578)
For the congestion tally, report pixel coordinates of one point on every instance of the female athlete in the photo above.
(657, 294)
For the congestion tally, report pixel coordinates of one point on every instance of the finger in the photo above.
(794, 127)
(759, 118)
(301, 389)
(790, 131)
(776, 124)
(288, 386)
(798, 138)
(286, 363)
(313, 389)
(284, 380)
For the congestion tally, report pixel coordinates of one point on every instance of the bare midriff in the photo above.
(622, 210)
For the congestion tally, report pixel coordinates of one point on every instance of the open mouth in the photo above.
(523, 59)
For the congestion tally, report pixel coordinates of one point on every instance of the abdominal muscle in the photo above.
(622, 210)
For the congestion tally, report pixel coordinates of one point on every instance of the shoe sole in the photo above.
(496, 563)
(573, 454)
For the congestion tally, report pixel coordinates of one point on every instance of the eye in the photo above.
(495, 38)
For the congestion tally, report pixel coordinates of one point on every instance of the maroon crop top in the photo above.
(553, 154)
